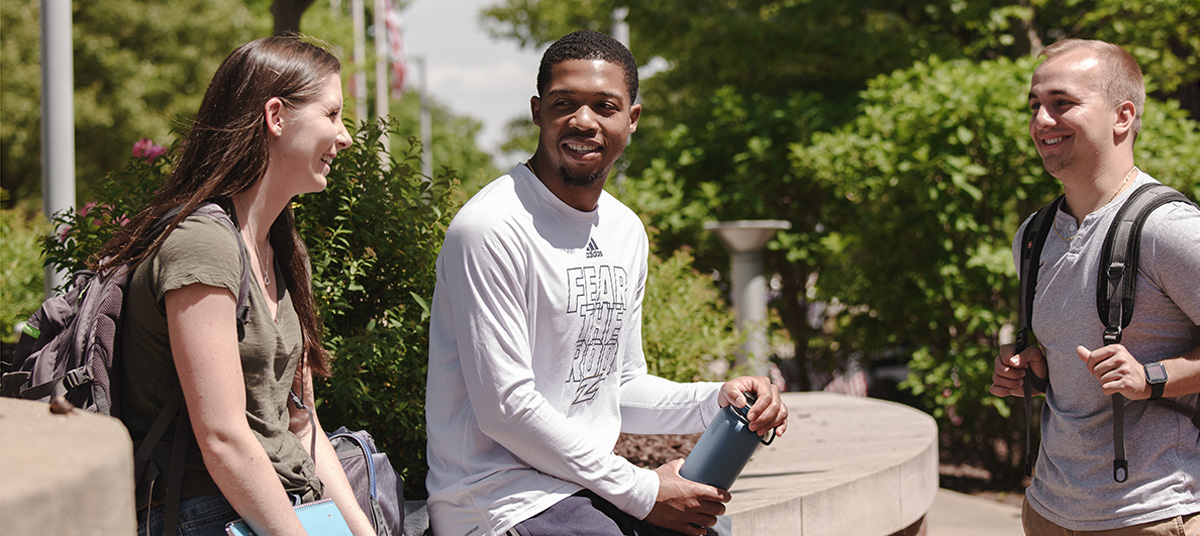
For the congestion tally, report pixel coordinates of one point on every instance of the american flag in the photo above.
(851, 381)
(395, 37)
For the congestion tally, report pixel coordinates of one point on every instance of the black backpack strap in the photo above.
(215, 211)
(1032, 241)
(1117, 279)
(183, 436)
(1116, 285)
(148, 457)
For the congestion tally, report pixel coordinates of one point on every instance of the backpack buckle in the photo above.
(76, 377)
(1112, 335)
(1120, 470)
(1116, 270)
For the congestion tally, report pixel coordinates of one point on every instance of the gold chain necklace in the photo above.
(1121, 188)
(1110, 200)
(1065, 239)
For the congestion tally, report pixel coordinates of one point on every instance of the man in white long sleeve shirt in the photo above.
(536, 360)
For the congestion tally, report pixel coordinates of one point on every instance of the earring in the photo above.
(278, 127)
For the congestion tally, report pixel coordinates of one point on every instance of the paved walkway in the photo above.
(958, 514)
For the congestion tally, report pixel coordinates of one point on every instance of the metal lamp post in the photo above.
(745, 240)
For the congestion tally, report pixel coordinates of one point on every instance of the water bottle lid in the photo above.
(742, 414)
(744, 411)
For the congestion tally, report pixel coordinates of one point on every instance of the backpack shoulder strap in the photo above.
(1117, 278)
(175, 409)
(1032, 241)
(215, 211)
(1116, 283)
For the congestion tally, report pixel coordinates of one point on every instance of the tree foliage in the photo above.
(139, 71)
(938, 165)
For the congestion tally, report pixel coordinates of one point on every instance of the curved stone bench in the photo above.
(69, 475)
(847, 466)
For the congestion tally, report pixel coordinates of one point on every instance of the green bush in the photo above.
(685, 325)
(121, 194)
(939, 166)
(374, 235)
(21, 274)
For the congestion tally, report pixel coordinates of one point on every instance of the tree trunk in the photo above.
(1031, 42)
(794, 313)
(287, 15)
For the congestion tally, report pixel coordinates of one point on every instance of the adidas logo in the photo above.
(593, 250)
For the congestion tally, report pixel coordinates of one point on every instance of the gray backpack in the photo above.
(378, 488)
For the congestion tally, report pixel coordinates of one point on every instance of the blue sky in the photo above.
(469, 72)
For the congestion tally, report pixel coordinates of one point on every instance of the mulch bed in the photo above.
(651, 451)
(956, 472)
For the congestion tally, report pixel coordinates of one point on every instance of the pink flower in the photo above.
(145, 148)
(87, 207)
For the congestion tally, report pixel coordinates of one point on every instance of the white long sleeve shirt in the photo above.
(536, 364)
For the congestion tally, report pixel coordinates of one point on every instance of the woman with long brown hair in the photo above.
(267, 130)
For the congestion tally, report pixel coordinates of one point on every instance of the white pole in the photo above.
(381, 59)
(426, 120)
(620, 28)
(360, 60)
(745, 240)
(58, 118)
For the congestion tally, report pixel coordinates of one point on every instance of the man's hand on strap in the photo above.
(1011, 368)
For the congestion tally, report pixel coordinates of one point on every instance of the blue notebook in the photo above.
(320, 518)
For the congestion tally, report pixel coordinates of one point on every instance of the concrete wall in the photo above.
(63, 475)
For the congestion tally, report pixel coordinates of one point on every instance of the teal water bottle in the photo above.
(725, 447)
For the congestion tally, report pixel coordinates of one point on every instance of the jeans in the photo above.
(198, 516)
(586, 514)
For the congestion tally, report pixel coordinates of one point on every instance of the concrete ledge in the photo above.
(848, 465)
(67, 475)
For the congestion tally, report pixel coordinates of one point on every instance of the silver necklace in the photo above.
(262, 261)
(266, 275)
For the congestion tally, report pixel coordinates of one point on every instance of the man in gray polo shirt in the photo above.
(1086, 103)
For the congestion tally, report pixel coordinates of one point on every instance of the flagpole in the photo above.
(426, 120)
(359, 60)
(381, 58)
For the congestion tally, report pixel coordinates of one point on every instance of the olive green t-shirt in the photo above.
(203, 250)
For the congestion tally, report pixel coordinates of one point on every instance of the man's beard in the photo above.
(580, 179)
